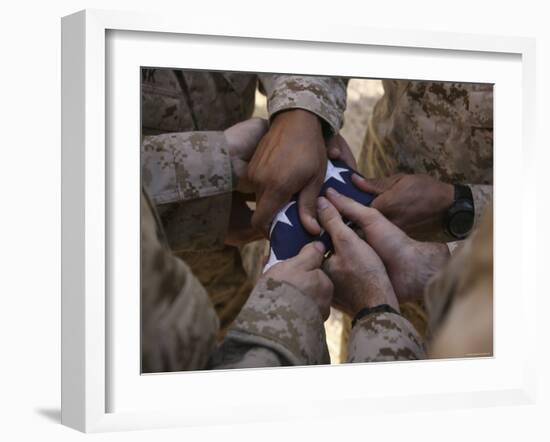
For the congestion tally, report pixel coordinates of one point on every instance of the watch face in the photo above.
(461, 223)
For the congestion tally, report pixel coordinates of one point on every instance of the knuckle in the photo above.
(369, 215)
(332, 218)
(342, 236)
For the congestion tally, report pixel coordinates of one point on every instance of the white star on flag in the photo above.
(334, 172)
(281, 217)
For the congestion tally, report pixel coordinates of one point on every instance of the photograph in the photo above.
(296, 220)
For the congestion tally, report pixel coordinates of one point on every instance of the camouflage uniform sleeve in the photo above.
(189, 178)
(278, 326)
(179, 324)
(324, 96)
(381, 337)
(482, 195)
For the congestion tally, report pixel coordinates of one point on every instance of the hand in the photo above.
(358, 274)
(242, 140)
(414, 203)
(291, 158)
(304, 272)
(240, 231)
(410, 264)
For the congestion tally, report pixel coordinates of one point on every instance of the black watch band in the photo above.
(382, 308)
(463, 193)
(459, 218)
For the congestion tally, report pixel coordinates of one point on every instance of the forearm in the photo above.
(278, 326)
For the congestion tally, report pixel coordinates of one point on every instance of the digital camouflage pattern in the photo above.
(180, 329)
(324, 96)
(195, 168)
(442, 129)
(278, 326)
(174, 101)
(178, 322)
(462, 293)
(381, 337)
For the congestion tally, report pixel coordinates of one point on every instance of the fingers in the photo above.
(306, 206)
(258, 128)
(332, 222)
(243, 137)
(384, 237)
(376, 185)
(267, 206)
(361, 215)
(310, 257)
(338, 149)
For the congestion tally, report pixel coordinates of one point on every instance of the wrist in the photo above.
(446, 197)
(377, 293)
(298, 115)
(381, 308)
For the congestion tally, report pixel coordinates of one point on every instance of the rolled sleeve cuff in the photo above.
(185, 166)
(325, 97)
(383, 336)
(189, 178)
(279, 317)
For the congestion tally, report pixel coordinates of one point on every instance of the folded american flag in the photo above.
(287, 236)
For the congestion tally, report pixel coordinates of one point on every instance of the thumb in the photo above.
(310, 257)
(306, 205)
(332, 222)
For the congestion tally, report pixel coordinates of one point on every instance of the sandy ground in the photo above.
(362, 95)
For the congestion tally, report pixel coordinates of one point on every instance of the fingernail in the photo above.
(322, 203)
(358, 177)
(319, 246)
(332, 191)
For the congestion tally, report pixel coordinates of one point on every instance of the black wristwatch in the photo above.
(459, 218)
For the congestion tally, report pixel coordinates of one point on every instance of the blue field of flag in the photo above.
(288, 236)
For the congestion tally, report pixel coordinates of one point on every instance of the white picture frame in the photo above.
(89, 172)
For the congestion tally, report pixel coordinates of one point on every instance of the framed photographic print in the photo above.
(204, 280)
